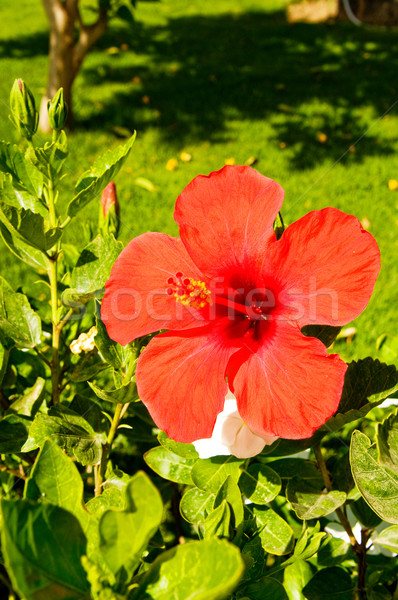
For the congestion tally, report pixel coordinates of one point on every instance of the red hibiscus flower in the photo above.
(234, 298)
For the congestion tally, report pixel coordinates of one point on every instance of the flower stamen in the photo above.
(188, 291)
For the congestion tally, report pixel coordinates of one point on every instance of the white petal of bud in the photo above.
(231, 435)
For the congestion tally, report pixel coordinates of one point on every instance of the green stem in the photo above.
(53, 278)
(106, 448)
(56, 331)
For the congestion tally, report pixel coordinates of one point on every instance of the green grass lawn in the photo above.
(224, 79)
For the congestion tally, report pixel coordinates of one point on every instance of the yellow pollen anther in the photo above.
(188, 291)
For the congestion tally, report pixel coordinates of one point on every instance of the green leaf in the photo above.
(295, 578)
(43, 546)
(94, 264)
(92, 182)
(29, 227)
(55, 478)
(24, 175)
(70, 430)
(287, 468)
(29, 403)
(4, 355)
(123, 395)
(388, 538)
(230, 492)
(210, 473)
(310, 542)
(276, 535)
(31, 256)
(184, 450)
(332, 583)
(218, 521)
(255, 559)
(367, 383)
(170, 465)
(50, 159)
(196, 504)
(124, 535)
(378, 485)
(206, 570)
(334, 552)
(265, 588)
(17, 319)
(326, 333)
(87, 367)
(387, 345)
(310, 503)
(113, 353)
(13, 433)
(365, 515)
(387, 442)
(111, 497)
(259, 483)
(20, 198)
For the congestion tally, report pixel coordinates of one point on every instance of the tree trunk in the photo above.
(70, 40)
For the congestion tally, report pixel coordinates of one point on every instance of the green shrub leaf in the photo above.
(210, 473)
(196, 504)
(70, 430)
(43, 545)
(124, 535)
(388, 538)
(276, 535)
(259, 483)
(18, 320)
(170, 465)
(387, 443)
(94, 264)
(206, 570)
(310, 503)
(332, 583)
(378, 485)
(92, 182)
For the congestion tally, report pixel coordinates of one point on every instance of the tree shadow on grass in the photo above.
(305, 80)
(191, 76)
(25, 46)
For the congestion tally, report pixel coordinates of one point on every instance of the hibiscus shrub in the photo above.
(232, 455)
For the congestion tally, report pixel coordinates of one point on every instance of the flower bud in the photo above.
(23, 109)
(231, 435)
(57, 111)
(109, 210)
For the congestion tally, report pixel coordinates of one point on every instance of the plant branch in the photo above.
(328, 485)
(358, 548)
(106, 448)
(53, 278)
(42, 356)
(15, 472)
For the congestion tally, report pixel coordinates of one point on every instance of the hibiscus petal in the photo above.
(288, 386)
(226, 214)
(327, 265)
(181, 380)
(136, 301)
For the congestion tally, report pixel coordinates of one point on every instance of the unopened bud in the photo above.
(57, 111)
(23, 109)
(109, 210)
